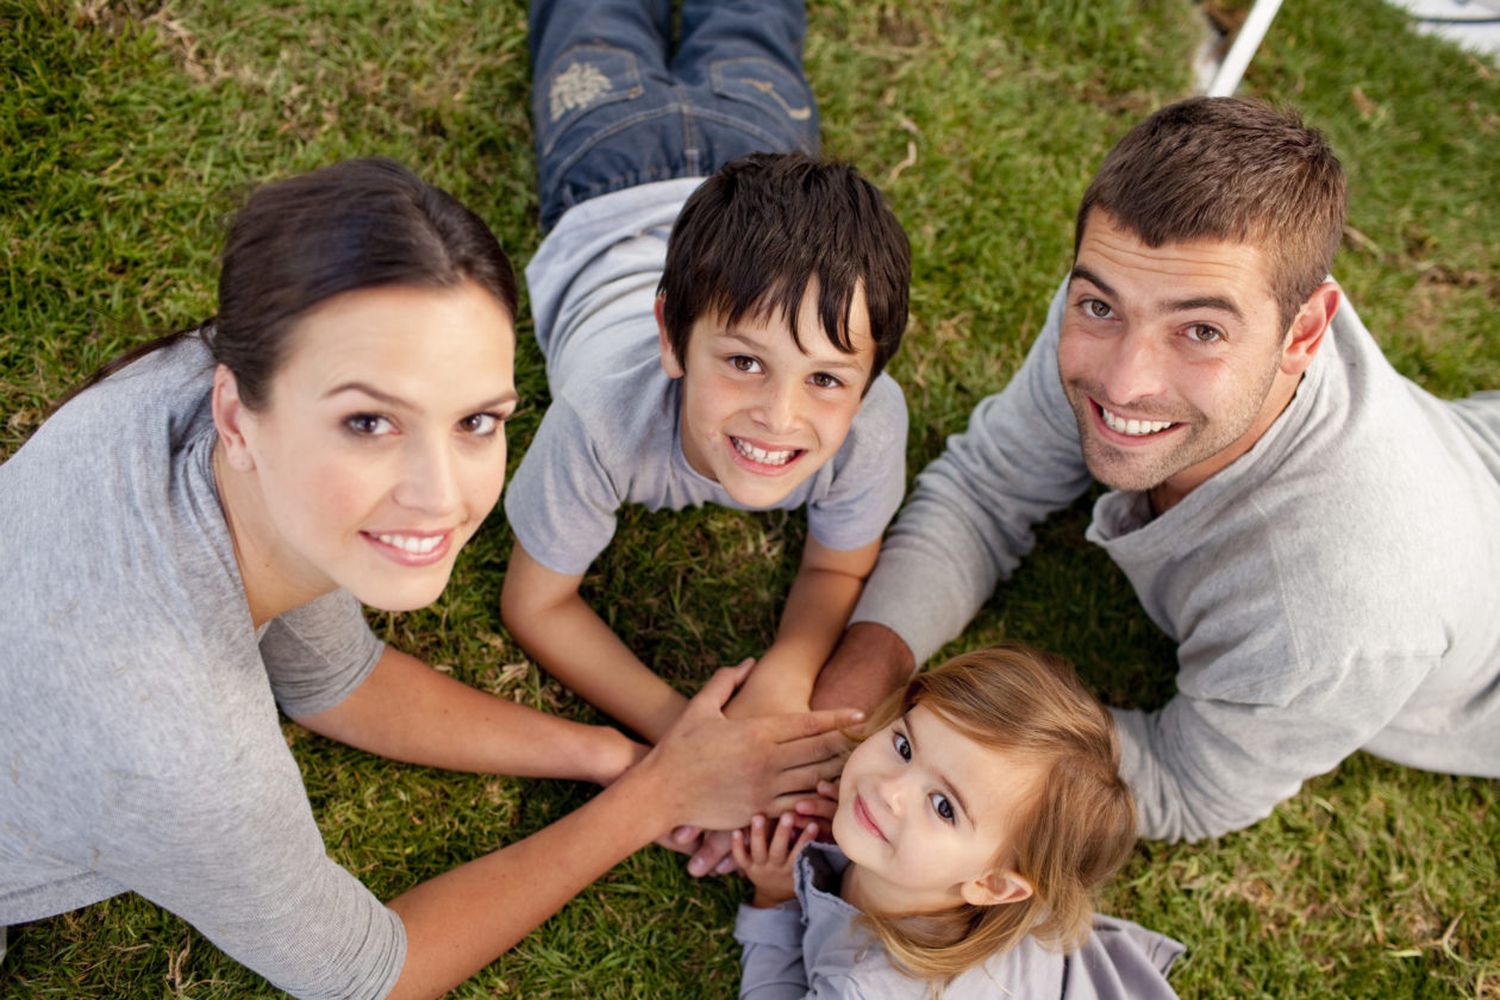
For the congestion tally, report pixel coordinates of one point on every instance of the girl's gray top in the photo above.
(141, 749)
(813, 947)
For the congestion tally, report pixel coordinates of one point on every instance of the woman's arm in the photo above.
(706, 771)
(407, 711)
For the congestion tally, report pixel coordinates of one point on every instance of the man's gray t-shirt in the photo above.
(611, 436)
(1336, 587)
(141, 748)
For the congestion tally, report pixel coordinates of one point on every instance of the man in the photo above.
(1317, 533)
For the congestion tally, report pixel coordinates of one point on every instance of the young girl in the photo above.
(972, 826)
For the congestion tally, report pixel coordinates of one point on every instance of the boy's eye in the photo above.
(481, 424)
(902, 745)
(941, 806)
(823, 380)
(368, 425)
(1202, 333)
(744, 363)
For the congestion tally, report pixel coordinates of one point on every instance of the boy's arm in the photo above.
(818, 605)
(543, 610)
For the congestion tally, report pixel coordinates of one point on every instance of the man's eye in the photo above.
(368, 424)
(902, 745)
(480, 424)
(1097, 309)
(744, 363)
(1202, 333)
(941, 806)
(823, 380)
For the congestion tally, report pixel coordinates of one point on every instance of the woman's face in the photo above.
(381, 445)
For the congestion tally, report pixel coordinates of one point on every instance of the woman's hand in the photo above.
(769, 866)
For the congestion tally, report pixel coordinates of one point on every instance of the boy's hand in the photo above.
(769, 866)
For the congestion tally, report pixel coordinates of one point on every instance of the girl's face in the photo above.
(924, 812)
(381, 446)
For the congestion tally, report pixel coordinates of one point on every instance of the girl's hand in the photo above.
(769, 866)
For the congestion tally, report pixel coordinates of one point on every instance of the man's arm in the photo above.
(543, 610)
(827, 586)
(870, 662)
(968, 522)
(407, 711)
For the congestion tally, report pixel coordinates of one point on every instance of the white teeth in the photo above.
(763, 457)
(409, 543)
(1133, 428)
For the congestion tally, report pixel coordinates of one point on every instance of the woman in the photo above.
(188, 543)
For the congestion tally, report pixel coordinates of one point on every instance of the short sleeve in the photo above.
(561, 503)
(869, 475)
(317, 654)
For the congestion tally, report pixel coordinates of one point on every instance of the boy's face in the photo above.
(759, 414)
(1173, 357)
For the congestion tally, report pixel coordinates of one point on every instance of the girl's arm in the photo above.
(707, 770)
(407, 711)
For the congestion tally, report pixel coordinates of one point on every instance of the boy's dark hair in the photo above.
(1224, 168)
(754, 234)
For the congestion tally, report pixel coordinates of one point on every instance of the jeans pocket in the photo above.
(581, 80)
(780, 95)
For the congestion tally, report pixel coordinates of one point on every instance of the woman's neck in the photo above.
(266, 570)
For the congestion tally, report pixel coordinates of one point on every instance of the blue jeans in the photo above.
(611, 108)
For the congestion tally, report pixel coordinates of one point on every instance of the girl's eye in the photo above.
(1097, 309)
(902, 745)
(481, 424)
(368, 425)
(941, 806)
(1202, 333)
(823, 380)
(744, 363)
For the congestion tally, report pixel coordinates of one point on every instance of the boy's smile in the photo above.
(760, 414)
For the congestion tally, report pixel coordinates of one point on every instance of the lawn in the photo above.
(129, 130)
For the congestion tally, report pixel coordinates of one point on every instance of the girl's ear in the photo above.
(996, 888)
(229, 418)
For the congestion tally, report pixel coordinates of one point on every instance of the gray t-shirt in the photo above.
(611, 435)
(1334, 588)
(815, 947)
(141, 746)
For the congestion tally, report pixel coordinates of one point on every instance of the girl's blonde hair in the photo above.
(1077, 829)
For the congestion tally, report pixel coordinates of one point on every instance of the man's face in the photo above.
(1171, 357)
(760, 414)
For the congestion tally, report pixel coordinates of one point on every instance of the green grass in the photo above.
(128, 130)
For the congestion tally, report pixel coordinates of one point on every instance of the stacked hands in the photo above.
(798, 784)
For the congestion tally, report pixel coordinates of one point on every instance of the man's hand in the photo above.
(870, 662)
(770, 866)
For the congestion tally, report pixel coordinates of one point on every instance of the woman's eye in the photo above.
(941, 806)
(1202, 333)
(902, 745)
(743, 363)
(1097, 309)
(480, 424)
(368, 425)
(823, 380)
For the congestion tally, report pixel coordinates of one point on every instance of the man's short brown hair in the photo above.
(1225, 168)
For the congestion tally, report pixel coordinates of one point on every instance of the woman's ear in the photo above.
(230, 416)
(996, 888)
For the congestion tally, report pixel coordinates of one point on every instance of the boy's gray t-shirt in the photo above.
(611, 436)
(141, 748)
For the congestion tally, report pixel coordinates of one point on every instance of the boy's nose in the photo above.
(777, 411)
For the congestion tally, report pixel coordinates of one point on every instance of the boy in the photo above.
(741, 365)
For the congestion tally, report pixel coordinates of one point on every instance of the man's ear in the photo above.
(230, 417)
(996, 888)
(1306, 333)
(669, 361)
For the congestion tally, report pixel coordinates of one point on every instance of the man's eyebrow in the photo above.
(911, 737)
(1219, 302)
(1079, 271)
